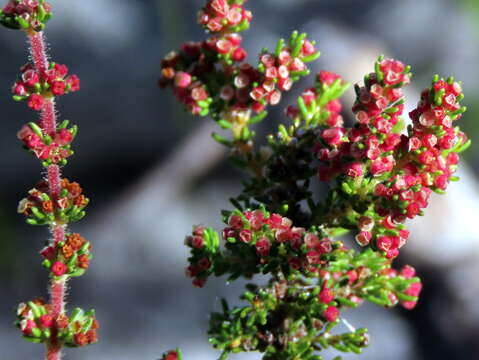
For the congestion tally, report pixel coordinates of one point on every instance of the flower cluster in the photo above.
(259, 242)
(50, 149)
(367, 146)
(70, 257)
(281, 69)
(40, 208)
(386, 176)
(412, 166)
(225, 16)
(26, 14)
(34, 85)
(37, 324)
(431, 148)
(212, 77)
(191, 70)
(79, 329)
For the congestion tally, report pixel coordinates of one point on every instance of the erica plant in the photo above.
(381, 173)
(54, 201)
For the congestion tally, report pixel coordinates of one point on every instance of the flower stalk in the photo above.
(55, 201)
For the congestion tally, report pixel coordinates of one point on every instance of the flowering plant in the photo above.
(381, 173)
(55, 201)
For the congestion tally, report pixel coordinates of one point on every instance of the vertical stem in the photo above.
(48, 117)
(57, 294)
(54, 179)
(48, 123)
(38, 50)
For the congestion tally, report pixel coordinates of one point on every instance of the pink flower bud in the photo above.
(258, 93)
(283, 235)
(197, 242)
(258, 107)
(297, 65)
(385, 243)
(275, 97)
(308, 96)
(326, 296)
(263, 246)
(327, 77)
(363, 238)
(268, 60)
(313, 257)
(308, 48)
(271, 72)
(269, 85)
(34, 141)
(285, 84)
(61, 70)
(335, 120)
(30, 78)
(214, 25)
(224, 46)
(441, 182)
(311, 240)
(63, 137)
(324, 246)
(182, 79)
(236, 222)
(408, 272)
(245, 236)
(234, 16)
(199, 93)
(284, 57)
(220, 7)
(48, 252)
(74, 82)
(27, 325)
(331, 313)
(333, 136)
(19, 89)
(353, 170)
(239, 54)
(352, 276)
(409, 305)
(414, 289)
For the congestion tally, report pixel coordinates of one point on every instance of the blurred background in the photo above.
(152, 171)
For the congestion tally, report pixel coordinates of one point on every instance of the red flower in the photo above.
(74, 82)
(59, 268)
(36, 102)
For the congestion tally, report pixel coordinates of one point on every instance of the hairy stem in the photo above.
(48, 123)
